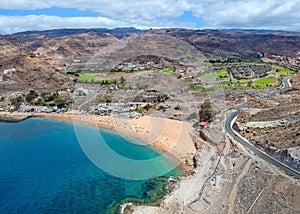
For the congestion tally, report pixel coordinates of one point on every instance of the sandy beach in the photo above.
(172, 137)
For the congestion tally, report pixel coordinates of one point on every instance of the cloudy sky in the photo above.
(24, 15)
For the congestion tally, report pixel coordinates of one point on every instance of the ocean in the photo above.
(44, 169)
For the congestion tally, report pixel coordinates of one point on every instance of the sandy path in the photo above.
(235, 187)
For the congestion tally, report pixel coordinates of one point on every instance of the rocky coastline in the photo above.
(13, 118)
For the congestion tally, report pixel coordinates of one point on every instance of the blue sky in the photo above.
(20, 15)
(62, 12)
(187, 16)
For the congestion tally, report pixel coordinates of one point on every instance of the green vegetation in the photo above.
(50, 97)
(117, 72)
(283, 71)
(169, 70)
(31, 96)
(192, 116)
(220, 73)
(109, 82)
(234, 82)
(178, 107)
(191, 56)
(225, 87)
(16, 102)
(87, 77)
(139, 110)
(40, 102)
(60, 102)
(91, 78)
(193, 85)
(147, 107)
(198, 89)
(162, 108)
(206, 113)
(187, 79)
(237, 85)
(263, 83)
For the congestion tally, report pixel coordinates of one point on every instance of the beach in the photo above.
(172, 137)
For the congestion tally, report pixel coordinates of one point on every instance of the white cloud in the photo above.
(267, 14)
(12, 24)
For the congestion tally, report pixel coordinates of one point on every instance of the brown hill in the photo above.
(41, 57)
(149, 43)
(32, 71)
(240, 42)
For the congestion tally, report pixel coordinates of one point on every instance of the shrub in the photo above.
(16, 102)
(177, 107)
(206, 113)
(31, 96)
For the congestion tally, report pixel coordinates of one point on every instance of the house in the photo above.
(203, 124)
(9, 71)
(134, 115)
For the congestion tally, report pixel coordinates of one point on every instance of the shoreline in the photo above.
(171, 137)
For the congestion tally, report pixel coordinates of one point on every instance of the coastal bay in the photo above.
(44, 170)
(172, 137)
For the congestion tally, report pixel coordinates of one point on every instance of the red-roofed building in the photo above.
(203, 124)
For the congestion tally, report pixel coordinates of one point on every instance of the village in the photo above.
(128, 91)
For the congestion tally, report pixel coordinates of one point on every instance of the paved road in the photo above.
(228, 127)
(285, 86)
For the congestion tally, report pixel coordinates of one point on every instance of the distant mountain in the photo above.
(242, 42)
(117, 32)
(257, 30)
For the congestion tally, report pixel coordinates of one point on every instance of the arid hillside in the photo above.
(240, 42)
(41, 59)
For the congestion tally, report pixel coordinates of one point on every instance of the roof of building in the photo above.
(203, 123)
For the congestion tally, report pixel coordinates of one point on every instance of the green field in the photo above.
(220, 73)
(91, 78)
(284, 71)
(110, 81)
(87, 77)
(236, 82)
(199, 89)
(263, 83)
(169, 70)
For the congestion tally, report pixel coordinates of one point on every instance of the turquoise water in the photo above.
(44, 170)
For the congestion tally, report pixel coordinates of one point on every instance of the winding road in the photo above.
(229, 129)
(232, 116)
(286, 84)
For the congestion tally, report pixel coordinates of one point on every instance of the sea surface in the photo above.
(43, 169)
